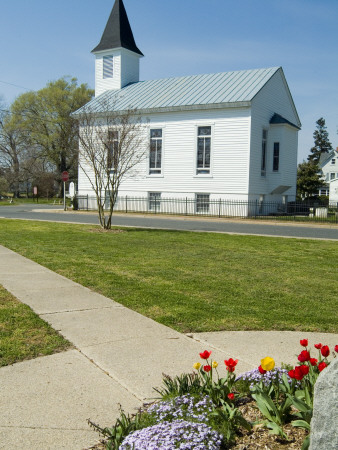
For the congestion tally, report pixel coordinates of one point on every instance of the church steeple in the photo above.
(118, 32)
(117, 55)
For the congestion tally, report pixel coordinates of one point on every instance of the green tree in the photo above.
(308, 179)
(3, 186)
(322, 143)
(12, 151)
(45, 117)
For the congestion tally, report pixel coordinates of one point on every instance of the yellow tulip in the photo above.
(197, 366)
(267, 363)
(214, 364)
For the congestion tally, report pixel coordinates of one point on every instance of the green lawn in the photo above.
(193, 281)
(23, 335)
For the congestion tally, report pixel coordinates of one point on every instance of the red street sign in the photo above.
(65, 176)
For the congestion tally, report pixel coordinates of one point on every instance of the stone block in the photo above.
(324, 422)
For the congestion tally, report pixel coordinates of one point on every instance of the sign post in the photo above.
(35, 193)
(65, 177)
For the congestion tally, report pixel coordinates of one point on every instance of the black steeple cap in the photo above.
(118, 32)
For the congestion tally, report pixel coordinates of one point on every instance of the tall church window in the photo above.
(275, 164)
(113, 149)
(155, 159)
(203, 150)
(263, 157)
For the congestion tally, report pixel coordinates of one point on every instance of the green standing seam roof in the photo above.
(181, 92)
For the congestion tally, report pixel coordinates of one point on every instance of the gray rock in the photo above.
(324, 424)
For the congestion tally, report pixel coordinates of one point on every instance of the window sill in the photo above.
(154, 176)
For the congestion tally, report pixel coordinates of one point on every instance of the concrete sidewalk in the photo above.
(119, 357)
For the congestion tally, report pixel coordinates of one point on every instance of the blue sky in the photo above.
(44, 40)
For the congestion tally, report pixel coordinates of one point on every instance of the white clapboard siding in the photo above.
(229, 154)
(273, 98)
(126, 69)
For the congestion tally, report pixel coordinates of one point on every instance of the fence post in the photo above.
(126, 204)
(87, 202)
(256, 208)
(219, 208)
(186, 206)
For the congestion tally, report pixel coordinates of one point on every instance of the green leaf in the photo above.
(306, 443)
(301, 424)
(275, 429)
(266, 406)
(300, 404)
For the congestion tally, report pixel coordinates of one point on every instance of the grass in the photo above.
(193, 282)
(23, 335)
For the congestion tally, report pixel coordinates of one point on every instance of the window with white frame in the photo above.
(263, 156)
(332, 176)
(108, 67)
(275, 163)
(155, 157)
(333, 161)
(202, 203)
(113, 149)
(154, 201)
(203, 150)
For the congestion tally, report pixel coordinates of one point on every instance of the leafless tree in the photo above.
(12, 149)
(111, 146)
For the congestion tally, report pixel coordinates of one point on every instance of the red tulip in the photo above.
(298, 373)
(231, 364)
(325, 351)
(336, 348)
(318, 346)
(304, 342)
(304, 369)
(304, 356)
(261, 370)
(231, 396)
(313, 361)
(322, 366)
(205, 354)
(291, 373)
(207, 368)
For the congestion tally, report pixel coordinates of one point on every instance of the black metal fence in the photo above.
(291, 211)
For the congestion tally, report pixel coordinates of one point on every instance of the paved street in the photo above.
(56, 214)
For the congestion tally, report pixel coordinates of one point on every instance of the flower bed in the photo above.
(268, 407)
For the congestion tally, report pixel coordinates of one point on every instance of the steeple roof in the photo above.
(118, 32)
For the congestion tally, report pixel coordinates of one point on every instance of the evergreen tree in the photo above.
(309, 179)
(322, 143)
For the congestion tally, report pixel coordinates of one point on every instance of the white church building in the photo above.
(220, 137)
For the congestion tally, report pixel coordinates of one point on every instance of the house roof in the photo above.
(191, 92)
(118, 31)
(326, 157)
(277, 119)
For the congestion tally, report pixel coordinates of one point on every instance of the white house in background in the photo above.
(222, 136)
(328, 163)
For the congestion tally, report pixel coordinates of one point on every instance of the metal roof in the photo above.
(190, 92)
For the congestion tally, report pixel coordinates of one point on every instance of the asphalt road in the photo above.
(248, 227)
